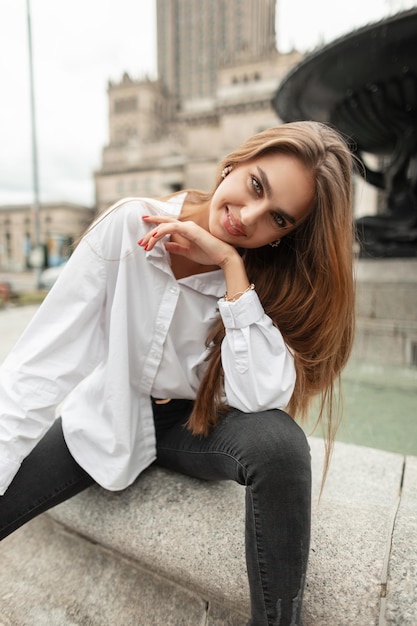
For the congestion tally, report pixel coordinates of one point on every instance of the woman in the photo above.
(210, 311)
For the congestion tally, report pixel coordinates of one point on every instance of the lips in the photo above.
(231, 225)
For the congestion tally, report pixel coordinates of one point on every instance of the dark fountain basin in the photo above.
(365, 85)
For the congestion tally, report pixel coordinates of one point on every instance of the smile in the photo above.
(231, 226)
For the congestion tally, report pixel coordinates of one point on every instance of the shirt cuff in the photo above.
(243, 312)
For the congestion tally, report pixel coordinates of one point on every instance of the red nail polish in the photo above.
(154, 234)
(144, 217)
(140, 242)
(146, 247)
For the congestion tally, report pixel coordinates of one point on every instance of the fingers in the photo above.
(158, 219)
(149, 240)
(196, 243)
(164, 226)
(176, 248)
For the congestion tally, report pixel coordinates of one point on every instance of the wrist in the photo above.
(231, 260)
(236, 296)
(236, 278)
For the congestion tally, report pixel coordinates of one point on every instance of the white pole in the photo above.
(38, 257)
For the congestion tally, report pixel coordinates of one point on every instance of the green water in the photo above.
(380, 408)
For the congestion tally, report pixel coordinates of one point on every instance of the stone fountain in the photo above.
(365, 85)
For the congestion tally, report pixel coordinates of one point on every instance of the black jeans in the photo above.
(267, 452)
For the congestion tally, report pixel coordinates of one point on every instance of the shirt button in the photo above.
(161, 326)
(173, 290)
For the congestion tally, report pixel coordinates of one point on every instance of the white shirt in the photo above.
(116, 328)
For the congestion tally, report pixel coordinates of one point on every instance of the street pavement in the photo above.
(19, 281)
(13, 321)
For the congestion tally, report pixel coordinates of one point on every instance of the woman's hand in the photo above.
(188, 240)
(198, 245)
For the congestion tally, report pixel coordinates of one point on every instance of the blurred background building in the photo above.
(60, 224)
(218, 68)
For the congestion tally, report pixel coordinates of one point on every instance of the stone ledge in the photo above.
(401, 600)
(169, 550)
(401, 270)
(52, 577)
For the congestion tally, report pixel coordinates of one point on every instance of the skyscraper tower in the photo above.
(218, 68)
(197, 37)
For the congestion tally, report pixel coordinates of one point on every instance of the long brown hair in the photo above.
(306, 284)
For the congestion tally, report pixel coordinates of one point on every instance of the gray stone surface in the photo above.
(386, 300)
(386, 305)
(203, 550)
(358, 475)
(189, 531)
(351, 533)
(49, 577)
(401, 600)
(171, 548)
(386, 270)
(218, 615)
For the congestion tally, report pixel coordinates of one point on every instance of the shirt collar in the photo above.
(208, 283)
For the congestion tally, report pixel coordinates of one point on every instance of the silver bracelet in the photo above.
(237, 295)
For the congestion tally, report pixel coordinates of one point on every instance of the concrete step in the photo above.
(170, 550)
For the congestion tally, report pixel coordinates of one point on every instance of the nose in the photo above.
(250, 214)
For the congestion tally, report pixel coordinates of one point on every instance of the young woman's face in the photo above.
(261, 201)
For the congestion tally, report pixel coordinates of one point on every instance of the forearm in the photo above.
(258, 367)
(236, 278)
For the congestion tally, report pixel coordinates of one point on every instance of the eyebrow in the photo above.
(268, 190)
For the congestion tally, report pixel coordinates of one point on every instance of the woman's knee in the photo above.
(271, 442)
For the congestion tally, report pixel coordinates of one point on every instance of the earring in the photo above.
(226, 170)
(275, 244)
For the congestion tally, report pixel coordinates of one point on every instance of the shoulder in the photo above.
(128, 212)
(116, 231)
(146, 206)
(138, 207)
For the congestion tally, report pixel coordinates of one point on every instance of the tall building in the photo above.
(197, 37)
(218, 68)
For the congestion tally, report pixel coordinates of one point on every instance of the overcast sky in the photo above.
(78, 46)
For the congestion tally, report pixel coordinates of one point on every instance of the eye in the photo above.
(279, 220)
(256, 185)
